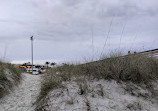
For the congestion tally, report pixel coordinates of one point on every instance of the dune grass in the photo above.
(136, 68)
(10, 75)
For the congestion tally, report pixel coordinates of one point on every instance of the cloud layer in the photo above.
(67, 30)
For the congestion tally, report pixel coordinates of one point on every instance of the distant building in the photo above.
(36, 68)
(27, 68)
(153, 52)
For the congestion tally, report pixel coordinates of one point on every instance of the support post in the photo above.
(32, 51)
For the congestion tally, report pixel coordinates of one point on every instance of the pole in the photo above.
(32, 51)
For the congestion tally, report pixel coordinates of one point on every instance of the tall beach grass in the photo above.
(10, 75)
(136, 68)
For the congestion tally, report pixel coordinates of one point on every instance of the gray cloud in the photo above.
(63, 28)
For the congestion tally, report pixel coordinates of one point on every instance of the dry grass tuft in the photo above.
(10, 75)
(136, 68)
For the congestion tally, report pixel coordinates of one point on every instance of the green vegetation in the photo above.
(10, 75)
(136, 68)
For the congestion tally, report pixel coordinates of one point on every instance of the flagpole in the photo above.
(32, 51)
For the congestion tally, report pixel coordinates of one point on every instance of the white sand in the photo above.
(23, 96)
(115, 98)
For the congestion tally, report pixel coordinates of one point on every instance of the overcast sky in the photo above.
(72, 30)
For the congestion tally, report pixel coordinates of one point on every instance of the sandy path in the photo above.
(22, 98)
